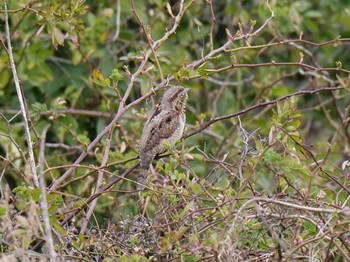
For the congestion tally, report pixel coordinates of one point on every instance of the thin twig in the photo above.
(9, 135)
(245, 136)
(274, 63)
(4, 168)
(21, 99)
(117, 22)
(99, 182)
(149, 39)
(230, 83)
(82, 156)
(233, 227)
(213, 21)
(256, 106)
(104, 189)
(290, 41)
(44, 205)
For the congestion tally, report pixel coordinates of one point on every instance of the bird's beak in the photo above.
(187, 89)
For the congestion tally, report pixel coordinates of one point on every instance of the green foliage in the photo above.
(271, 185)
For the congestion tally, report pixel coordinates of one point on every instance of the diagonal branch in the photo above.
(149, 38)
(256, 106)
(99, 182)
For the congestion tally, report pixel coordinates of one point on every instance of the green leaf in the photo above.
(59, 228)
(54, 198)
(36, 195)
(184, 212)
(116, 75)
(3, 211)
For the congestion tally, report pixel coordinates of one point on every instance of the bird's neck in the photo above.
(180, 107)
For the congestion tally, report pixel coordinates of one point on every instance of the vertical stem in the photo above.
(213, 21)
(44, 205)
(21, 99)
(117, 22)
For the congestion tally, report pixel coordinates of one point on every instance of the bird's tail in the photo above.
(142, 178)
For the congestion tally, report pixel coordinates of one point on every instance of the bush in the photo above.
(261, 173)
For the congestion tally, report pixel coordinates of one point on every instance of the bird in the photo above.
(165, 126)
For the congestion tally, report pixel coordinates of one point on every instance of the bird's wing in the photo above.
(160, 127)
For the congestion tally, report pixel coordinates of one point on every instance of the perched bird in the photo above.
(165, 126)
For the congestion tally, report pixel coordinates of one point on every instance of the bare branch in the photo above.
(259, 105)
(21, 99)
(99, 182)
(104, 189)
(117, 21)
(44, 205)
(149, 38)
(213, 21)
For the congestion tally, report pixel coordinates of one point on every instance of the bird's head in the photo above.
(174, 97)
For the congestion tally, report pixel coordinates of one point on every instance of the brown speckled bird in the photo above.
(165, 126)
